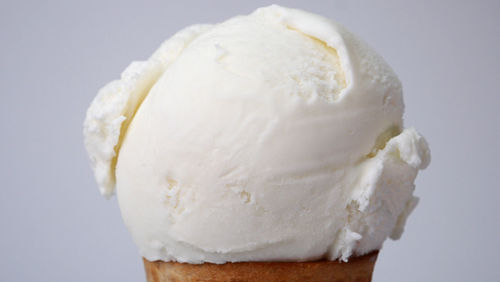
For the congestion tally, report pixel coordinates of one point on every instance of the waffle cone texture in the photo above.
(358, 269)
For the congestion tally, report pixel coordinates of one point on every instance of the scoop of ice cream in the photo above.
(272, 136)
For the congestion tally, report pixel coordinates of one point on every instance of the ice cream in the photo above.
(276, 136)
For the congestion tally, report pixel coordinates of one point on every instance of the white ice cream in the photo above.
(273, 136)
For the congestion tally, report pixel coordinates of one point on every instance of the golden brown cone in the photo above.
(358, 269)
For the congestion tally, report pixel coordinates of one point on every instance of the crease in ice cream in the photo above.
(273, 136)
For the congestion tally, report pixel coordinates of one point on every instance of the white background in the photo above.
(55, 55)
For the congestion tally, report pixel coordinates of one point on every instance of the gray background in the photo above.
(54, 56)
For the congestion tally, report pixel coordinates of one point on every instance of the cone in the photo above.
(358, 269)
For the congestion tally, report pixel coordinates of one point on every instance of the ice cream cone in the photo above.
(358, 269)
(276, 135)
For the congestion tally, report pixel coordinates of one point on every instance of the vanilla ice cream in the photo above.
(273, 136)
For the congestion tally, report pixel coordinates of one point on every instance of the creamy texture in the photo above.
(114, 106)
(272, 136)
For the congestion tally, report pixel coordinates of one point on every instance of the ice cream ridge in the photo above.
(276, 136)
